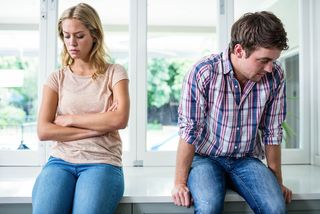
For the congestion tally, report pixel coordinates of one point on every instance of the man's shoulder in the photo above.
(207, 63)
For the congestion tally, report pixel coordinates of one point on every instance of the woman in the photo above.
(84, 105)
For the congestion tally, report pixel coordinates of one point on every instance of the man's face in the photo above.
(257, 64)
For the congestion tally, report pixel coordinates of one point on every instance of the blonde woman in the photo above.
(84, 105)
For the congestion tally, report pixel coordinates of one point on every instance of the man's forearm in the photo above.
(185, 155)
(273, 155)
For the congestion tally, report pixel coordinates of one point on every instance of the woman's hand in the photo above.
(63, 120)
(114, 106)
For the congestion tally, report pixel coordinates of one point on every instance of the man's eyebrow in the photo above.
(265, 58)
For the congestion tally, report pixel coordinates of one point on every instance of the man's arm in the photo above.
(273, 155)
(180, 191)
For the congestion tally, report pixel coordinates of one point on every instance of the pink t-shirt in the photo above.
(81, 95)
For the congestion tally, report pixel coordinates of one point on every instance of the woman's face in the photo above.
(77, 39)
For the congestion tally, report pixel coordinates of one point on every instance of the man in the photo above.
(230, 115)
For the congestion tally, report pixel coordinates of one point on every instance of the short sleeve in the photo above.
(53, 81)
(119, 73)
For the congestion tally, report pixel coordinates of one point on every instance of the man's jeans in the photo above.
(210, 176)
(67, 188)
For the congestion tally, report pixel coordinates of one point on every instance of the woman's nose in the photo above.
(73, 41)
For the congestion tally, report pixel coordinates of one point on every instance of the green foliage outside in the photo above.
(165, 77)
(18, 104)
(10, 115)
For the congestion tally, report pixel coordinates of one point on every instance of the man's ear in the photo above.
(238, 50)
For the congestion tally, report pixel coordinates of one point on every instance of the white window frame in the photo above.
(314, 45)
(225, 20)
(138, 154)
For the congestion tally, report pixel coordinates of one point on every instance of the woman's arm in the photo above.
(114, 119)
(48, 130)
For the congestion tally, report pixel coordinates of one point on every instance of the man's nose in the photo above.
(268, 67)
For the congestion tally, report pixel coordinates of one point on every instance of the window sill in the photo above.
(153, 184)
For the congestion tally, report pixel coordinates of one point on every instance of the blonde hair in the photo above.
(99, 58)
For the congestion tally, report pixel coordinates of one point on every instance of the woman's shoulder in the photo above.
(116, 67)
(59, 71)
(117, 70)
(116, 73)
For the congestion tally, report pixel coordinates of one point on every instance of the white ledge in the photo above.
(153, 184)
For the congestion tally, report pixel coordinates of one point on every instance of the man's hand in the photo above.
(181, 195)
(287, 194)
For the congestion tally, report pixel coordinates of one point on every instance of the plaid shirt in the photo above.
(220, 120)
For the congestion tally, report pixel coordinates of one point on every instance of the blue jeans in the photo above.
(209, 178)
(64, 187)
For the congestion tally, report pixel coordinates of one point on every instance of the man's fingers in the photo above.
(178, 201)
(287, 194)
(182, 199)
(187, 199)
(181, 196)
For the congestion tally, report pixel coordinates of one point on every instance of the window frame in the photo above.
(138, 154)
(225, 20)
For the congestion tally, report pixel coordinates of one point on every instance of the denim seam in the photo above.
(114, 191)
(247, 190)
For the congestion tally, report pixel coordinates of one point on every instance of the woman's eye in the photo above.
(80, 37)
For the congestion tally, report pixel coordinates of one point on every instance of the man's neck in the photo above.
(241, 79)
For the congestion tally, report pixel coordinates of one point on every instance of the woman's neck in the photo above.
(82, 68)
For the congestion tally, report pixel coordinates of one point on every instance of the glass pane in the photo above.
(115, 22)
(19, 66)
(178, 36)
(289, 58)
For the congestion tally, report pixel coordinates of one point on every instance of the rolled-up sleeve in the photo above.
(275, 112)
(193, 105)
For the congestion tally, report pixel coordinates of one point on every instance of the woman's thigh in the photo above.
(99, 189)
(53, 190)
(207, 185)
(258, 186)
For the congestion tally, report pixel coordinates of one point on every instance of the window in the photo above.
(177, 36)
(19, 68)
(294, 144)
(157, 41)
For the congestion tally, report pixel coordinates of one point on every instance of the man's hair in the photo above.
(259, 29)
(90, 19)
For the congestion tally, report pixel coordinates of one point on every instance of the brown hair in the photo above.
(90, 19)
(259, 29)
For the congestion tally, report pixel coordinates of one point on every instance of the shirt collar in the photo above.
(226, 62)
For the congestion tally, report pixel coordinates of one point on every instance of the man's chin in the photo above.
(256, 78)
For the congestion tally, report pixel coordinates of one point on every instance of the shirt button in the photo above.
(236, 86)
(238, 128)
(235, 147)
